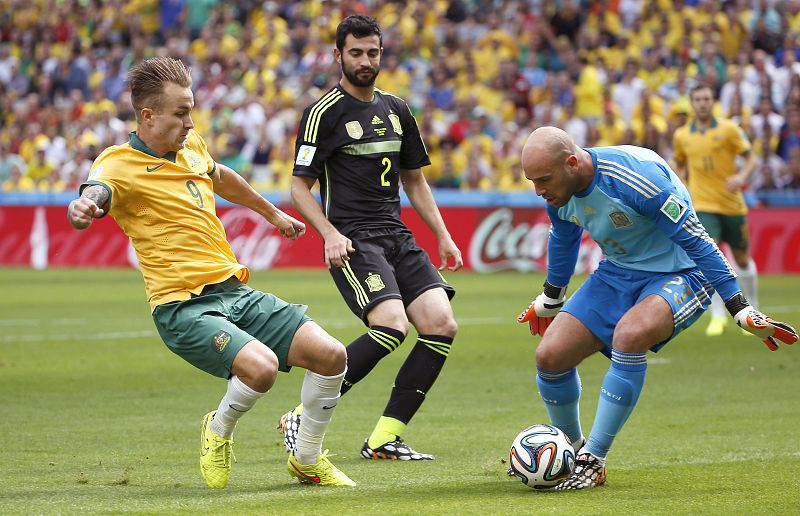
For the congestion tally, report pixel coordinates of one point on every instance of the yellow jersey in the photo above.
(166, 207)
(710, 157)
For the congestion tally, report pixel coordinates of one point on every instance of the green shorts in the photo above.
(208, 330)
(731, 229)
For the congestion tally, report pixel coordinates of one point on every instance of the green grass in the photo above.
(100, 417)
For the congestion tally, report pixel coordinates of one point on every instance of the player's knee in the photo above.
(447, 326)
(261, 374)
(333, 359)
(442, 323)
(548, 358)
(629, 338)
(397, 321)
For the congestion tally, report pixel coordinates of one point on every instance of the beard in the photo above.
(364, 80)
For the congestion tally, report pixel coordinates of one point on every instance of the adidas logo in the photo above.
(376, 120)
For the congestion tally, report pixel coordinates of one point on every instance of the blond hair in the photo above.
(148, 78)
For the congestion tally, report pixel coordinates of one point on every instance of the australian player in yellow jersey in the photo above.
(159, 187)
(705, 158)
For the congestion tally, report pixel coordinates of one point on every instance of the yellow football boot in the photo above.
(216, 454)
(323, 472)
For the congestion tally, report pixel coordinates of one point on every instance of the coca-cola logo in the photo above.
(254, 241)
(500, 243)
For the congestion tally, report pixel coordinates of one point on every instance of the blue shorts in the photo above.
(611, 291)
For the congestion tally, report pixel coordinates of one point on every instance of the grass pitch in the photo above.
(98, 416)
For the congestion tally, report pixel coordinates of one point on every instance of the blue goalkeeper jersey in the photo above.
(641, 216)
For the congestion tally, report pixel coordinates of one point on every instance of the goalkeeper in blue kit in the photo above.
(659, 271)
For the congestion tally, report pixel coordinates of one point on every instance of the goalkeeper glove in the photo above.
(543, 309)
(759, 324)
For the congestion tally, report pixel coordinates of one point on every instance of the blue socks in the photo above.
(618, 395)
(561, 392)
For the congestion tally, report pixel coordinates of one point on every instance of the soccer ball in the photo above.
(541, 456)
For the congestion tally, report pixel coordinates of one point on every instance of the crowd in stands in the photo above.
(478, 75)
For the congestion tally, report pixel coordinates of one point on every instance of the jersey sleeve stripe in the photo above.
(627, 182)
(315, 115)
(634, 176)
(361, 296)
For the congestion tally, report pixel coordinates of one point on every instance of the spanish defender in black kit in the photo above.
(360, 143)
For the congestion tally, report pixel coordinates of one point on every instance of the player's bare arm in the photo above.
(337, 246)
(421, 197)
(738, 180)
(90, 205)
(232, 187)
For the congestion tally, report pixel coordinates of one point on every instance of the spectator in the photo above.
(8, 162)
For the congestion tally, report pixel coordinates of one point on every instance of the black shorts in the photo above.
(386, 267)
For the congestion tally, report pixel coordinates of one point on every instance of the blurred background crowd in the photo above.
(478, 75)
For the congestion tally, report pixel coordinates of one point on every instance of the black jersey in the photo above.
(356, 150)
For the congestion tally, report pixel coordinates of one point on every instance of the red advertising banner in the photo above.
(490, 238)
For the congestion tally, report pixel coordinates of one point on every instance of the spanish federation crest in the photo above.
(395, 120)
(374, 282)
(354, 129)
(620, 219)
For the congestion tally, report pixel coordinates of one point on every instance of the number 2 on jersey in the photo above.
(386, 162)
